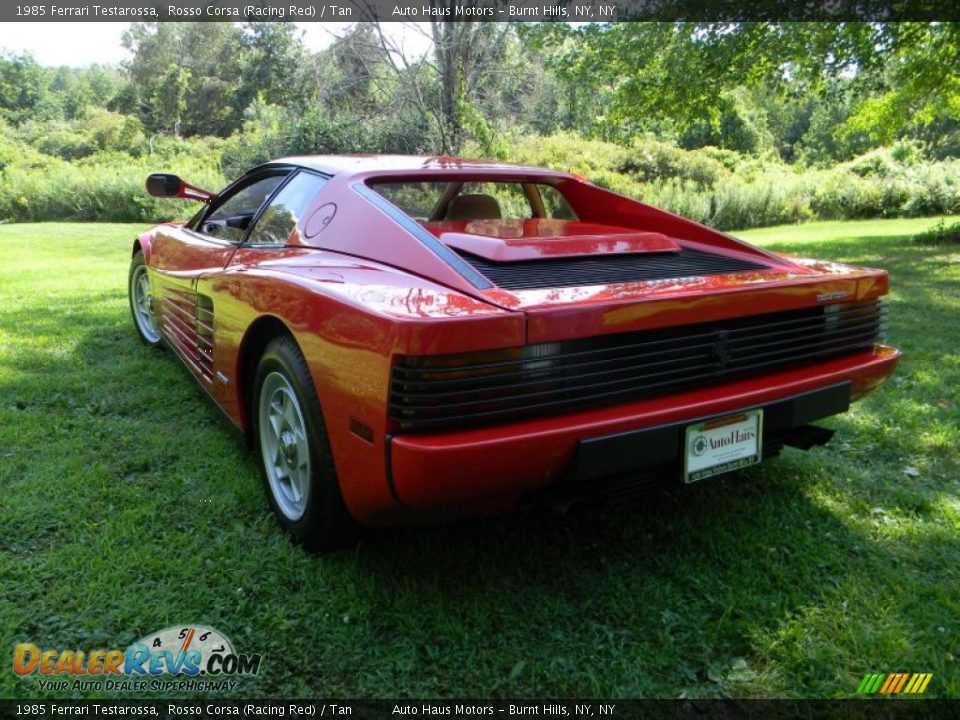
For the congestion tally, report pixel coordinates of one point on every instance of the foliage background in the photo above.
(735, 125)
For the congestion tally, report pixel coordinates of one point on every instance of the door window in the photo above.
(286, 209)
(231, 217)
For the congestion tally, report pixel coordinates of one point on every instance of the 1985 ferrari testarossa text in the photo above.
(410, 339)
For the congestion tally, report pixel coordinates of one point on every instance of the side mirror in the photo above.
(163, 185)
(171, 186)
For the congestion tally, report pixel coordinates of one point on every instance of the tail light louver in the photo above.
(455, 390)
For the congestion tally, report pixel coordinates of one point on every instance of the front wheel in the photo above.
(294, 451)
(141, 300)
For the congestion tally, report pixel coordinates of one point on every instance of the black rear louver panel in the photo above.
(449, 391)
(603, 269)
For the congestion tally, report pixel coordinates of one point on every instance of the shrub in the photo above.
(721, 188)
(877, 162)
(270, 132)
(644, 161)
(96, 131)
(106, 188)
(887, 189)
(650, 161)
(730, 159)
(728, 190)
(570, 153)
(939, 234)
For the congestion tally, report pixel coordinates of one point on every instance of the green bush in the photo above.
(649, 161)
(14, 151)
(271, 132)
(104, 188)
(643, 161)
(730, 159)
(875, 185)
(728, 190)
(939, 234)
(735, 204)
(721, 188)
(96, 131)
(594, 159)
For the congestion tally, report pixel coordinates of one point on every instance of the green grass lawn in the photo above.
(128, 505)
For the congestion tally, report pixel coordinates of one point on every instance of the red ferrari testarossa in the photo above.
(406, 339)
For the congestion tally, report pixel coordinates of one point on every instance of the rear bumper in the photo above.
(513, 460)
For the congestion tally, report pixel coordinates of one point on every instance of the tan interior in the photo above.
(474, 207)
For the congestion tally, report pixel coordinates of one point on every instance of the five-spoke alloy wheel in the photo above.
(141, 300)
(284, 445)
(294, 451)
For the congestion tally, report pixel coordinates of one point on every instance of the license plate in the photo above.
(723, 444)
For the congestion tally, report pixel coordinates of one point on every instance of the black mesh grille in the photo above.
(453, 390)
(602, 269)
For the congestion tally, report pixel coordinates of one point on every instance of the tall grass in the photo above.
(106, 186)
(717, 187)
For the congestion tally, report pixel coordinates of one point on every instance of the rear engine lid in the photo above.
(577, 279)
(520, 256)
(543, 239)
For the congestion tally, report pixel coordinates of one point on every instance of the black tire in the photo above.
(325, 523)
(144, 322)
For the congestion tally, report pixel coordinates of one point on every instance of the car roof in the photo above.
(390, 164)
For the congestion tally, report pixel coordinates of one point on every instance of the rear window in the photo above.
(476, 200)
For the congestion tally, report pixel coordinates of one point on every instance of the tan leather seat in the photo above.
(474, 206)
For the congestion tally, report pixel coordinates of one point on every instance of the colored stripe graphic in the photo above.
(871, 683)
(914, 682)
(886, 685)
(894, 683)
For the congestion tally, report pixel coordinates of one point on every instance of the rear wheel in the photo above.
(141, 300)
(294, 451)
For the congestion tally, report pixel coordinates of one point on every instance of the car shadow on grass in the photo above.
(746, 585)
(790, 578)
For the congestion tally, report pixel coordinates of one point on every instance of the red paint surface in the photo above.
(362, 289)
(512, 240)
(525, 456)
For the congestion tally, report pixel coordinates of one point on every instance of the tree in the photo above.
(444, 84)
(187, 76)
(920, 84)
(464, 53)
(23, 86)
(628, 78)
(273, 57)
